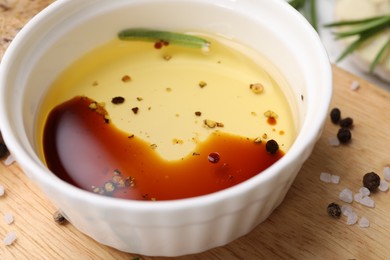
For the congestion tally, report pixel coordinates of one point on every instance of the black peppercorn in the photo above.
(3, 150)
(272, 146)
(346, 122)
(344, 135)
(59, 218)
(117, 100)
(371, 181)
(334, 210)
(335, 115)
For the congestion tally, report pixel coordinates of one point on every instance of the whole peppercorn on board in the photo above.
(300, 228)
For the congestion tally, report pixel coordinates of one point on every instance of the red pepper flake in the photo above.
(271, 117)
(158, 45)
(198, 113)
(135, 110)
(214, 157)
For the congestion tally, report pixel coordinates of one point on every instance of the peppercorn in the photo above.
(371, 181)
(135, 110)
(59, 218)
(335, 115)
(272, 146)
(3, 150)
(344, 135)
(117, 100)
(334, 210)
(346, 122)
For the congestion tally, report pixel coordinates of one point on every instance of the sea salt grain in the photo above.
(352, 218)
(368, 202)
(358, 197)
(355, 85)
(2, 190)
(10, 160)
(329, 178)
(383, 186)
(364, 191)
(9, 239)
(335, 179)
(386, 173)
(346, 195)
(346, 210)
(8, 218)
(363, 222)
(334, 141)
(325, 177)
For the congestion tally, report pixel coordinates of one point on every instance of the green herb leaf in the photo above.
(352, 22)
(375, 24)
(365, 29)
(171, 37)
(297, 4)
(379, 55)
(313, 14)
(308, 9)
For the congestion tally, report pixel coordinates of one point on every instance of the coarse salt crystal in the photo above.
(334, 141)
(352, 218)
(358, 197)
(355, 85)
(346, 210)
(335, 179)
(9, 239)
(386, 173)
(367, 201)
(9, 160)
(363, 222)
(8, 218)
(383, 186)
(346, 195)
(364, 191)
(2, 190)
(325, 177)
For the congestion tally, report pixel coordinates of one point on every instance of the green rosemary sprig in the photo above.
(171, 37)
(308, 9)
(363, 29)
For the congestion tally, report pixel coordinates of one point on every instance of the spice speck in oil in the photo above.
(118, 100)
(272, 146)
(126, 78)
(214, 157)
(256, 88)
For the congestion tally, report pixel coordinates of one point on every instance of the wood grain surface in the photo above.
(299, 229)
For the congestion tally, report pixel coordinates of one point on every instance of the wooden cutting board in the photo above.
(299, 229)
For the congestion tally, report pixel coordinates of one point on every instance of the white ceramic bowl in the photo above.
(68, 28)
